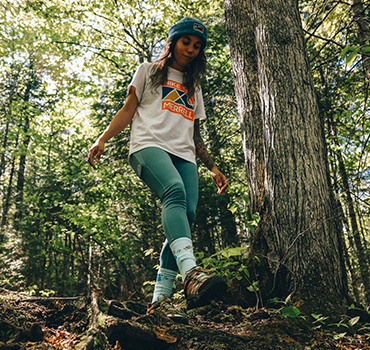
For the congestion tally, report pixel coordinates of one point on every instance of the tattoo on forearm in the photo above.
(202, 152)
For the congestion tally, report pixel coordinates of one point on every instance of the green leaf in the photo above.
(227, 252)
(290, 311)
(346, 49)
(354, 320)
(339, 336)
(246, 199)
(350, 58)
(233, 209)
(148, 251)
(253, 287)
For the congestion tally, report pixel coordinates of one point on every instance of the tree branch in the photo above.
(324, 39)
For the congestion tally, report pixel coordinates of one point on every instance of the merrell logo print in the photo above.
(175, 99)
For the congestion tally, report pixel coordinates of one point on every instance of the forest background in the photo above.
(65, 67)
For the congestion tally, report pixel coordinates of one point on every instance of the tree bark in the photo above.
(345, 190)
(360, 251)
(363, 31)
(21, 170)
(7, 196)
(297, 239)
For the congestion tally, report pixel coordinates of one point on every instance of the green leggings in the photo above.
(175, 182)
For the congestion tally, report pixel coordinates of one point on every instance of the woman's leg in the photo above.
(156, 168)
(175, 181)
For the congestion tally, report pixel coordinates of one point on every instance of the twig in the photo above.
(32, 300)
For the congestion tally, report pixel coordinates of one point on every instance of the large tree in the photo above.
(298, 239)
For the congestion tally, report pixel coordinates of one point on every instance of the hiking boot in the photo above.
(200, 288)
(168, 310)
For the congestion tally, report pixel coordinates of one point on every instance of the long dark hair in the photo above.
(193, 72)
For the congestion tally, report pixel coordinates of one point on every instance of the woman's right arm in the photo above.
(118, 123)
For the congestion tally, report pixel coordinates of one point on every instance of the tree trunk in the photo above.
(345, 189)
(352, 273)
(20, 178)
(363, 31)
(23, 157)
(360, 251)
(228, 226)
(7, 196)
(297, 239)
(4, 147)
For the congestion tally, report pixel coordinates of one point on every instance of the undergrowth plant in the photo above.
(229, 263)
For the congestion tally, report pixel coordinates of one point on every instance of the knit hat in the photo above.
(189, 25)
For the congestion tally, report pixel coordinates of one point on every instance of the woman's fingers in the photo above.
(94, 152)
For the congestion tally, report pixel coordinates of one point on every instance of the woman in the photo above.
(165, 105)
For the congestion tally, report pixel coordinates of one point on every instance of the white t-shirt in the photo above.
(164, 116)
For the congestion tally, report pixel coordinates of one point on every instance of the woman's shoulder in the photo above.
(145, 66)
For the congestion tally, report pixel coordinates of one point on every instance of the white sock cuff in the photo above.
(182, 250)
(180, 244)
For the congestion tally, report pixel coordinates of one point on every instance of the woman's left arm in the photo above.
(202, 153)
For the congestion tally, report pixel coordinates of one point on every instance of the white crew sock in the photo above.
(182, 250)
(163, 284)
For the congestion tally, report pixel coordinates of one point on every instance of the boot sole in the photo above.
(214, 288)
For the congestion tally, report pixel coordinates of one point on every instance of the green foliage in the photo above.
(350, 53)
(65, 67)
(229, 263)
(290, 311)
(83, 56)
(285, 308)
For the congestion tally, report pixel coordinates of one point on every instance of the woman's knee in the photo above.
(174, 192)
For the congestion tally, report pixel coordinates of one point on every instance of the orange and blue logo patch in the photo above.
(175, 99)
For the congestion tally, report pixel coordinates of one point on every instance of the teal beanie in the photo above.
(189, 25)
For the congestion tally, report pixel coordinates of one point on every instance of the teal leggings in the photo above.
(175, 182)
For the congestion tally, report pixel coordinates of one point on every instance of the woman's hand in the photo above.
(219, 179)
(95, 151)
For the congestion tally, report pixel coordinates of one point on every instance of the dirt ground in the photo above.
(64, 323)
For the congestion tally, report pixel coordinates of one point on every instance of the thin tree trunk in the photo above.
(360, 251)
(228, 225)
(353, 277)
(298, 238)
(7, 197)
(4, 147)
(359, 248)
(328, 110)
(363, 31)
(6, 205)
(22, 161)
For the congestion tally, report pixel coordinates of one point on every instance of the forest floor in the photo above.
(64, 323)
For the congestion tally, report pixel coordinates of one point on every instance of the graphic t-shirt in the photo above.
(165, 115)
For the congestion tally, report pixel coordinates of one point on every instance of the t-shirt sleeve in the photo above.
(199, 112)
(139, 80)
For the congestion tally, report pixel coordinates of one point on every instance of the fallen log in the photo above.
(94, 338)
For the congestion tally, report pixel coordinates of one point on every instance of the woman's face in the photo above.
(186, 49)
